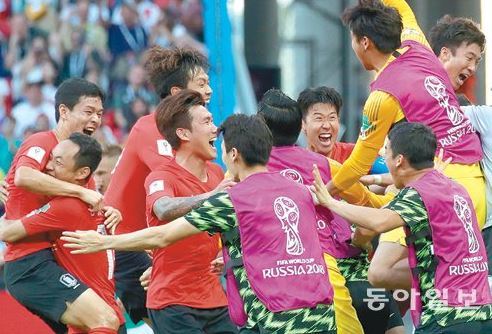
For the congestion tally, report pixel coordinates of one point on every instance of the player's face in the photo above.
(360, 51)
(102, 175)
(203, 133)
(62, 162)
(200, 83)
(463, 64)
(321, 126)
(393, 163)
(86, 115)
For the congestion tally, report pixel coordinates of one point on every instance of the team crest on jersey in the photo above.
(365, 127)
(464, 213)
(69, 281)
(36, 153)
(157, 185)
(164, 148)
(42, 209)
(292, 174)
(436, 88)
(287, 213)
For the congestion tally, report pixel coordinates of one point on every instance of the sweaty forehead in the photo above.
(65, 149)
(90, 101)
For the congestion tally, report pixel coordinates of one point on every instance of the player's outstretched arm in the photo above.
(377, 220)
(170, 208)
(411, 28)
(153, 237)
(44, 184)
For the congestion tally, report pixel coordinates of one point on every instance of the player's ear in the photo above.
(83, 173)
(183, 134)
(303, 129)
(175, 90)
(444, 54)
(63, 110)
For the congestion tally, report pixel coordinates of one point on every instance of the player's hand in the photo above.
(223, 185)
(145, 278)
(113, 217)
(440, 164)
(320, 190)
(4, 192)
(383, 180)
(83, 242)
(93, 198)
(217, 265)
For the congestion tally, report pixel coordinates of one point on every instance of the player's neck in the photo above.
(413, 175)
(192, 163)
(244, 172)
(380, 61)
(61, 133)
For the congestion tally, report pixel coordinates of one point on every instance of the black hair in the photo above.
(451, 32)
(282, 116)
(381, 24)
(323, 94)
(174, 112)
(250, 136)
(416, 142)
(90, 151)
(169, 67)
(71, 90)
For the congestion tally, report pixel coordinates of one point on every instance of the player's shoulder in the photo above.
(45, 139)
(143, 123)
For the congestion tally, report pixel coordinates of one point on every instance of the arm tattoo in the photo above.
(170, 208)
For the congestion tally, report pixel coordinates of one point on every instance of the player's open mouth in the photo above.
(462, 78)
(325, 138)
(212, 143)
(89, 131)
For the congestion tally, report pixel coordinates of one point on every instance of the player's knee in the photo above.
(107, 319)
(377, 276)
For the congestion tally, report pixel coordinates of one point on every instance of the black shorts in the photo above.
(379, 317)
(178, 319)
(487, 239)
(129, 267)
(41, 285)
(473, 327)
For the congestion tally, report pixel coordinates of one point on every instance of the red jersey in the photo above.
(96, 269)
(341, 151)
(145, 150)
(34, 153)
(181, 272)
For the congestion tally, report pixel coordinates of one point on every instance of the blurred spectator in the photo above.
(127, 38)
(30, 130)
(8, 143)
(90, 18)
(26, 113)
(42, 14)
(124, 96)
(36, 60)
(102, 175)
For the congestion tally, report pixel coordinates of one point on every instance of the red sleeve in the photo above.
(150, 146)
(54, 216)
(157, 185)
(35, 152)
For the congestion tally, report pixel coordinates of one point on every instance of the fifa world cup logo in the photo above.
(464, 213)
(287, 212)
(292, 174)
(437, 90)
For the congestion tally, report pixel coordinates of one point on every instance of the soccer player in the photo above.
(30, 265)
(458, 43)
(424, 93)
(261, 200)
(449, 280)
(73, 160)
(184, 296)
(347, 265)
(170, 71)
(102, 175)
